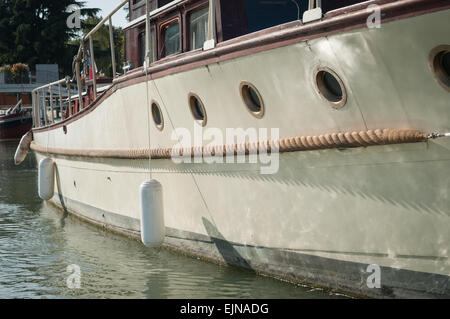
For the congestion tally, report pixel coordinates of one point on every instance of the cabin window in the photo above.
(153, 45)
(252, 99)
(141, 45)
(330, 87)
(197, 109)
(262, 14)
(158, 118)
(329, 5)
(162, 3)
(171, 36)
(241, 17)
(440, 65)
(198, 28)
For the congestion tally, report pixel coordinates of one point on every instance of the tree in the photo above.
(36, 31)
(102, 47)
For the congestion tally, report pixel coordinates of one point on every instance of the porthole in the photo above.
(440, 65)
(158, 118)
(330, 87)
(197, 109)
(252, 99)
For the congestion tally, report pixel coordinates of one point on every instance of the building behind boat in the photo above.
(15, 99)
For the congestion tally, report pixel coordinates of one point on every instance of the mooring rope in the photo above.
(294, 144)
(148, 115)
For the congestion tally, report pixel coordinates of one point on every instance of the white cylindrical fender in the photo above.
(153, 229)
(23, 148)
(46, 178)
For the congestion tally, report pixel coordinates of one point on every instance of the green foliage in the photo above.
(20, 73)
(35, 31)
(6, 70)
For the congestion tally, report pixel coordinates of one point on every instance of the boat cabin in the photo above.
(182, 25)
(176, 29)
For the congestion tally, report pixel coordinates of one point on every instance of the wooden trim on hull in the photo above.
(294, 144)
(334, 22)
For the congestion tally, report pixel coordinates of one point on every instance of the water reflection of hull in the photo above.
(326, 215)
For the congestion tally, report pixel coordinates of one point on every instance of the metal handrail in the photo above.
(98, 26)
(106, 19)
(40, 95)
(36, 93)
(51, 84)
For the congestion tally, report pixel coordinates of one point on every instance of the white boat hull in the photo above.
(326, 215)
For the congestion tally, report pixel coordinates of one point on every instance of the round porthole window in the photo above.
(440, 65)
(158, 118)
(330, 87)
(252, 99)
(197, 109)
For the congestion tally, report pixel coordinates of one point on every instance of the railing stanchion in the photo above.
(50, 90)
(41, 120)
(32, 109)
(38, 108)
(111, 41)
(69, 94)
(60, 102)
(94, 80)
(80, 91)
(85, 60)
(44, 105)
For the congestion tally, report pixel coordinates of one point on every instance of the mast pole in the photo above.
(147, 34)
(211, 42)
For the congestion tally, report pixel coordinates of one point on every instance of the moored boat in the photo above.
(13, 125)
(309, 144)
(15, 96)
